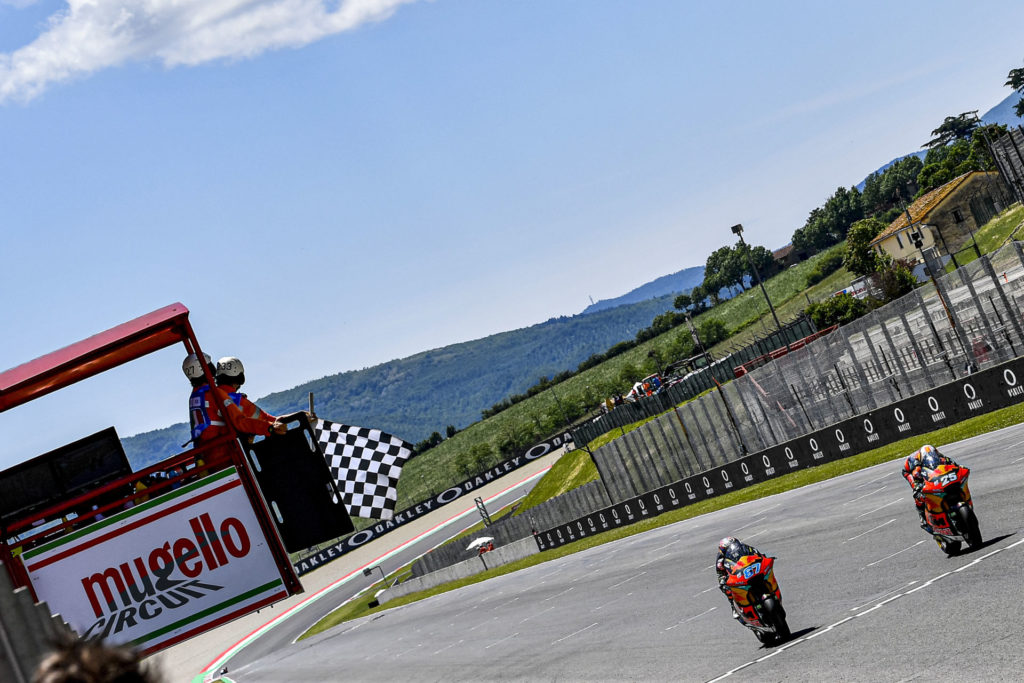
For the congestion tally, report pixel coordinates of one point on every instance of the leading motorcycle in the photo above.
(948, 508)
(752, 586)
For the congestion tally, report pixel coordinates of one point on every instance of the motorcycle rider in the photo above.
(915, 471)
(730, 550)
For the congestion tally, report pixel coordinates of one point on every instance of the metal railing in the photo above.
(964, 321)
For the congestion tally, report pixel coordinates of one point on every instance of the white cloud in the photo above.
(89, 35)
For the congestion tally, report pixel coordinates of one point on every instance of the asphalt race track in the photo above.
(869, 597)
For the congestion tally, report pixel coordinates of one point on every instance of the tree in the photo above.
(827, 225)
(891, 188)
(712, 331)
(719, 272)
(450, 431)
(896, 279)
(1015, 79)
(682, 302)
(943, 164)
(763, 261)
(861, 259)
(953, 128)
(700, 300)
(836, 310)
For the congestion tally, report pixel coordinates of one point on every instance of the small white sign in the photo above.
(163, 571)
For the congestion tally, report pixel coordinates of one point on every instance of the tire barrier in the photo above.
(991, 389)
(413, 512)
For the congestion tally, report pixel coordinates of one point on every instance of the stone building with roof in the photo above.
(944, 218)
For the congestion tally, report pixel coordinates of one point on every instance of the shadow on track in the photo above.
(792, 636)
(985, 544)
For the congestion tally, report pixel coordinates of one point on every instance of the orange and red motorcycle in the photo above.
(752, 586)
(948, 508)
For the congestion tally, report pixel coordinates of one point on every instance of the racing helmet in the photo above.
(724, 544)
(231, 369)
(931, 458)
(191, 366)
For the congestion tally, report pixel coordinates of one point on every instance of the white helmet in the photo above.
(231, 367)
(191, 366)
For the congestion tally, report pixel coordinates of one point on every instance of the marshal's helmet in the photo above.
(230, 371)
(191, 366)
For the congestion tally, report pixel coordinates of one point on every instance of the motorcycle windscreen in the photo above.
(302, 495)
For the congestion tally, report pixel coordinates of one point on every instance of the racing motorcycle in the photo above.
(752, 586)
(948, 508)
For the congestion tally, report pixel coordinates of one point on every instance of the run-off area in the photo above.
(646, 607)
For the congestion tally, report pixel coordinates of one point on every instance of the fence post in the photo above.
(870, 401)
(1010, 312)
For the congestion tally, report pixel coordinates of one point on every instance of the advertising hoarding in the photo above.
(164, 570)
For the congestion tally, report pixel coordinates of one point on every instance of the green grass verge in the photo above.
(572, 469)
(991, 236)
(968, 428)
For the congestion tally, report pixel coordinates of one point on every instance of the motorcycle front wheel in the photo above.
(970, 524)
(777, 618)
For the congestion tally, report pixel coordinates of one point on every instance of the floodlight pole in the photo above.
(369, 570)
(738, 231)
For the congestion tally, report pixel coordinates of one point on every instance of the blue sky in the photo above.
(331, 185)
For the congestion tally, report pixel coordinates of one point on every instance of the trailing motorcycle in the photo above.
(948, 508)
(752, 586)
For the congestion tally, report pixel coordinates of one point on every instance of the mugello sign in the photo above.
(164, 570)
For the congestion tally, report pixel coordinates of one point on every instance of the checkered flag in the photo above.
(366, 464)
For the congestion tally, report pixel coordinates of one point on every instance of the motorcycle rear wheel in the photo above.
(951, 548)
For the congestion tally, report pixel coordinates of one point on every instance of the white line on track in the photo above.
(881, 488)
(585, 575)
(898, 552)
(927, 583)
(667, 545)
(405, 652)
(872, 481)
(706, 590)
(751, 523)
(870, 530)
(537, 614)
(865, 514)
(867, 611)
(610, 602)
(1015, 445)
(756, 533)
(487, 647)
(627, 580)
(696, 616)
(1014, 462)
(575, 633)
(557, 594)
(448, 646)
(854, 609)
